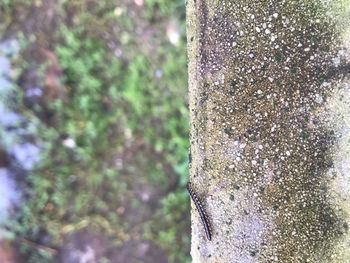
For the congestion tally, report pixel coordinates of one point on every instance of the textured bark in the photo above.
(270, 130)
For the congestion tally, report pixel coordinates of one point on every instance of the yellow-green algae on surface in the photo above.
(270, 143)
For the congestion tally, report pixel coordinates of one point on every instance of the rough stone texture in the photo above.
(270, 129)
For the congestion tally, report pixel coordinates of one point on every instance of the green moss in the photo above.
(115, 109)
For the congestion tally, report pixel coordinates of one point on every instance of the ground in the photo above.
(101, 88)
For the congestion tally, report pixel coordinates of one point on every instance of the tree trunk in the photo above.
(270, 130)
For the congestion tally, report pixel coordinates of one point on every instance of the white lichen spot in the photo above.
(258, 29)
(318, 99)
(273, 128)
(275, 15)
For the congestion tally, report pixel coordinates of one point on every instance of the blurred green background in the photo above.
(98, 150)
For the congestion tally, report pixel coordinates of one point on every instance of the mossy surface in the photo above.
(261, 150)
(101, 86)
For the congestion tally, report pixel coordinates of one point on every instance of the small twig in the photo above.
(32, 244)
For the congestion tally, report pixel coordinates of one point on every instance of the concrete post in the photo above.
(270, 130)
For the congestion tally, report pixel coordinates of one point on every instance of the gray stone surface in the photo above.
(270, 129)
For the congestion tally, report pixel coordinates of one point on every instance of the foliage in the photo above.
(165, 8)
(109, 102)
(175, 210)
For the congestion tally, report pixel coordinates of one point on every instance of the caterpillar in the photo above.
(201, 211)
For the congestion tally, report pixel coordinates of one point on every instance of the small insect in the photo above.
(201, 210)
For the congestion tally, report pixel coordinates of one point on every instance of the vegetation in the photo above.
(117, 126)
